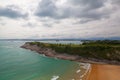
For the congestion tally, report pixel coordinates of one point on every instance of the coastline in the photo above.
(51, 53)
(99, 69)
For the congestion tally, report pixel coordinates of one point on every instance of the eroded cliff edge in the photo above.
(52, 53)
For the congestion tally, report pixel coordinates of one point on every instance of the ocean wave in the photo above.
(43, 55)
(78, 71)
(87, 67)
(55, 77)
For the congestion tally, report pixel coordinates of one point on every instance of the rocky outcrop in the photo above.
(51, 53)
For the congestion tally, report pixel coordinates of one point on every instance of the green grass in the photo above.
(109, 50)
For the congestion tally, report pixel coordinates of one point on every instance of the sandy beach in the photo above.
(104, 72)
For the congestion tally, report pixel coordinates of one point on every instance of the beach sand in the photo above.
(104, 72)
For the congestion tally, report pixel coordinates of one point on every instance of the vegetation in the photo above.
(109, 50)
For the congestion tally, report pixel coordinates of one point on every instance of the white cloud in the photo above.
(60, 19)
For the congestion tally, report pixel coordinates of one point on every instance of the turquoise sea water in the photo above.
(21, 64)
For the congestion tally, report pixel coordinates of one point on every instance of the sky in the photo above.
(48, 19)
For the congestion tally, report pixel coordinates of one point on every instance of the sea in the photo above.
(21, 64)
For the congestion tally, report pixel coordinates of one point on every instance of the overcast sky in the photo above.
(40, 19)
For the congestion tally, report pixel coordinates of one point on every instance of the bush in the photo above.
(109, 50)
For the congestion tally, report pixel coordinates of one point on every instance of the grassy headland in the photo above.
(99, 50)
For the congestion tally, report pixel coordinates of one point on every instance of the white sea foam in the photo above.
(43, 55)
(82, 76)
(87, 67)
(79, 63)
(55, 77)
(78, 71)
(74, 79)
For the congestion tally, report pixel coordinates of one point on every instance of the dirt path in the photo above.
(104, 72)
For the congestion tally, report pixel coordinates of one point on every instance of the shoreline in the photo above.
(99, 69)
(51, 53)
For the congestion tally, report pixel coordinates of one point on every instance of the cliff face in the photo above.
(51, 53)
(45, 51)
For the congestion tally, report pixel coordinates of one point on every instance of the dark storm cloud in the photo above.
(89, 4)
(82, 9)
(11, 12)
(46, 8)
